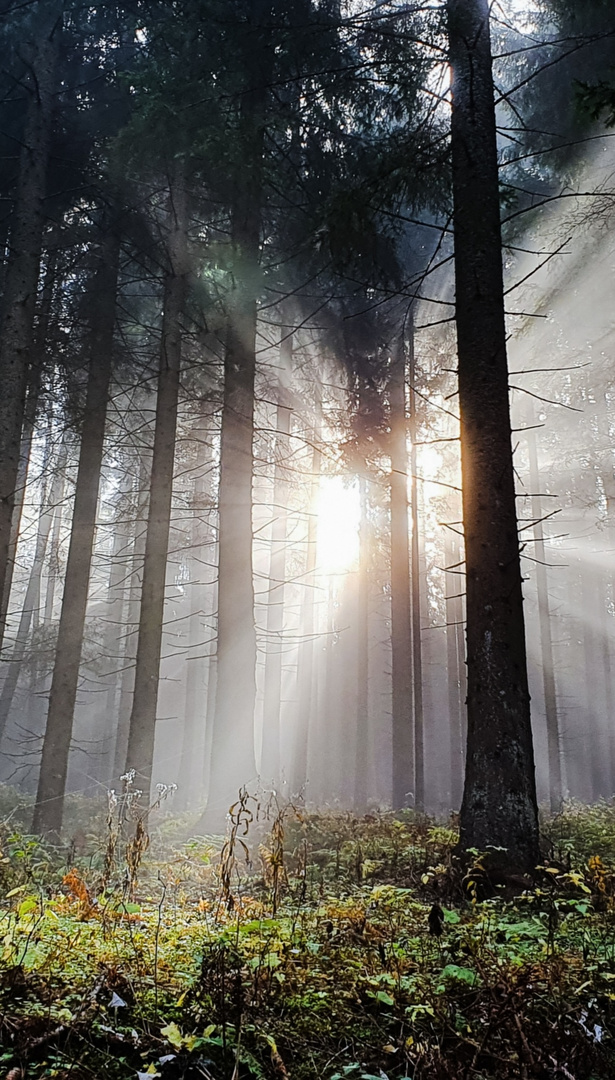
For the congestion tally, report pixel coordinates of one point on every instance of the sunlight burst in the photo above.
(339, 513)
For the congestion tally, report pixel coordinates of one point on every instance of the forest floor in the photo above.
(309, 946)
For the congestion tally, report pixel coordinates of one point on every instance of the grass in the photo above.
(309, 946)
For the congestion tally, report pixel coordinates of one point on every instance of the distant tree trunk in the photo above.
(546, 641)
(33, 591)
(119, 574)
(194, 733)
(305, 666)
(499, 803)
(131, 625)
(270, 757)
(401, 625)
(29, 421)
(22, 273)
(362, 748)
(417, 652)
(454, 664)
(53, 558)
(141, 735)
(49, 806)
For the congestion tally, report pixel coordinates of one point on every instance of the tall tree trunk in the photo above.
(454, 666)
(305, 666)
(401, 625)
(141, 735)
(49, 806)
(232, 751)
(22, 273)
(119, 573)
(546, 640)
(270, 757)
(499, 803)
(362, 748)
(417, 652)
(131, 626)
(33, 590)
(194, 734)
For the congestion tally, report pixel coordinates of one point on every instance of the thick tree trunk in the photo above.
(546, 641)
(141, 735)
(49, 806)
(401, 625)
(270, 756)
(232, 753)
(415, 595)
(22, 273)
(499, 802)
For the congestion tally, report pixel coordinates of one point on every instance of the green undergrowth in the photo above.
(309, 946)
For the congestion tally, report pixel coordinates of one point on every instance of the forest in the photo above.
(307, 539)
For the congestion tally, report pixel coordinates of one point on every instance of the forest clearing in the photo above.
(307, 539)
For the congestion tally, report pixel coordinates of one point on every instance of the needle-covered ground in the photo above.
(309, 946)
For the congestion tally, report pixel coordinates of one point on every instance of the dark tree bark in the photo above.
(401, 626)
(22, 273)
(499, 802)
(141, 734)
(415, 594)
(49, 806)
(546, 640)
(232, 752)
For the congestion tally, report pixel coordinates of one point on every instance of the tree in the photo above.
(499, 803)
(49, 806)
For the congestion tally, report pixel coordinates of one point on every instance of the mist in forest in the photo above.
(321, 560)
(240, 416)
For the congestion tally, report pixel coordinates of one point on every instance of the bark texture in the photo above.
(499, 802)
(22, 273)
(142, 730)
(49, 806)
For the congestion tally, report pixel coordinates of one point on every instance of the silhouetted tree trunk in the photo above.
(546, 640)
(49, 806)
(499, 802)
(232, 752)
(141, 735)
(417, 652)
(401, 625)
(270, 757)
(22, 272)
